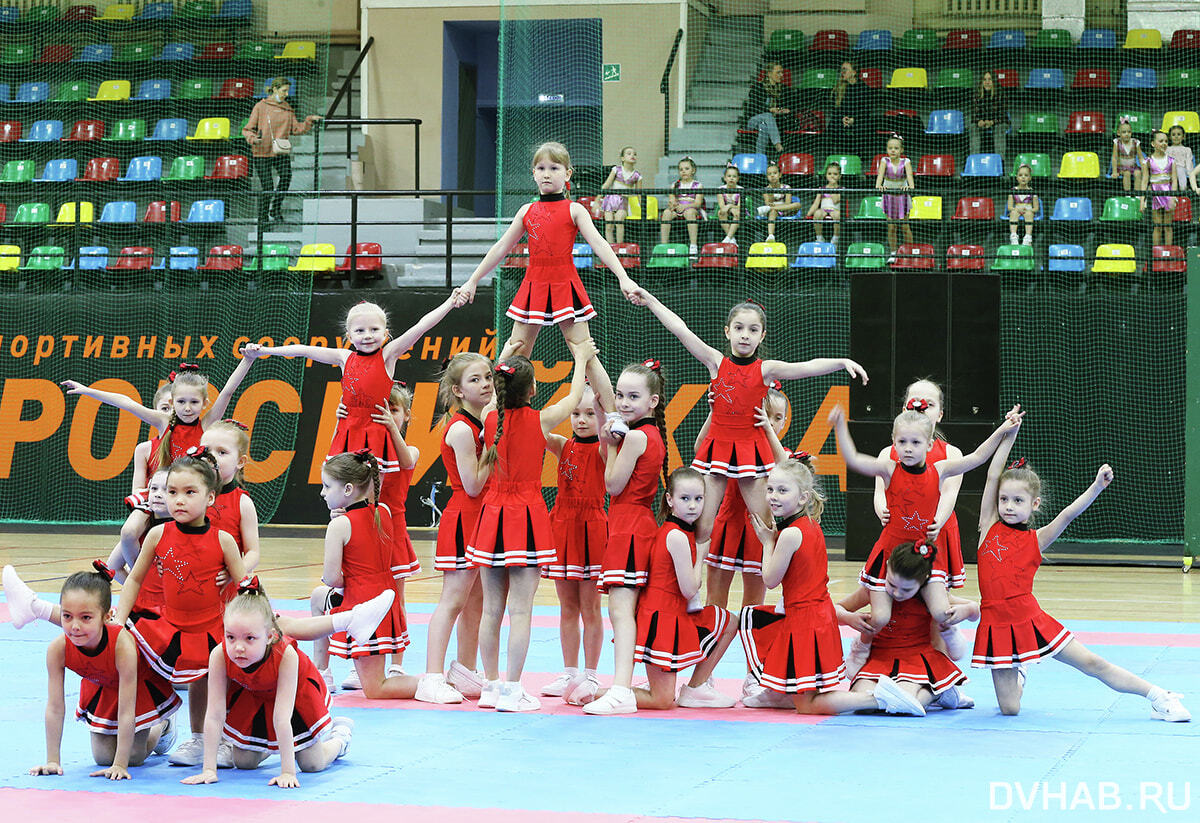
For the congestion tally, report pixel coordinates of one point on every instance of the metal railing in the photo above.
(664, 87)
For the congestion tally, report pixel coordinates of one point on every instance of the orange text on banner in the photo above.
(13, 429)
(83, 425)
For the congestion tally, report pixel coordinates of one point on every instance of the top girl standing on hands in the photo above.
(615, 206)
(736, 446)
(551, 293)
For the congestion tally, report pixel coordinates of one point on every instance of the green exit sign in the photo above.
(611, 73)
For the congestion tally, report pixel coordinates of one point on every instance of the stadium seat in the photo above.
(16, 54)
(180, 258)
(851, 164)
(1186, 39)
(1085, 122)
(134, 53)
(751, 163)
(197, 10)
(235, 10)
(815, 84)
(53, 53)
(975, 208)
(965, 257)
(871, 77)
(254, 51)
(226, 258)
(1079, 165)
(1045, 80)
(925, 207)
(866, 256)
(1072, 209)
(169, 128)
(918, 40)
(72, 91)
(629, 255)
(211, 128)
(1143, 39)
(910, 78)
(1013, 257)
(1008, 79)
(874, 40)
(955, 84)
(1092, 80)
(983, 165)
(1183, 210)
(134, 258)
(5, 93)
(830, 40)
(870, 208)
(938, 167)
(17, 171)
(45, 258)
(63, 170)
(230, 167)
(1007, 39)
(210, 211)
(815, 256)
(298, 50)
(963, 39)
(156, 12)
(914, 256)
(197, 88)
(785, 40)
(36, 91)
(158, 88)
(1065, 257)
(1115, 258)
(111, 90)
(316, 257)
(1138, 79)
(44, 131)
(163, 211)
(94, 53)
(1188, 119)
(101, 170)
(74, 212)
(1179, 86)
(945, 121)
(581, 255)
(92, 258)
(1121, 209)
(10, 258)
(1098, 39)
(905, 122)
(718, 256)
(1168, 260)
(1139, 121)
(635, 207)
(670, 256)
(124, 131)
(32, 213)
(1053, 39)
(117, 12)
(10, 131)
(85, 130)
(236, 88)
(767, 256)
(368, 258)
(216, 51)
(796, 165)
(142, 170)
(119, 211)
(176, 52)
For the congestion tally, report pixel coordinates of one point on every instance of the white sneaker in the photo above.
(617, 700)
(704, 696)
(366, 617)
(891, 261)
(468, 683)
(750, 685)
(224, 755)
(954, 698)
(894, 700)
(1028, 241)
(489, 695)
(856, 657)
(352, 683)
(956, 643)
(514, 698)
(167, 739)
(327, 676)
(585, 692)
(732, 240)
(558, 686)
(768, 699)
(19, 597)
(188, 753)
(1013, 240)
(1169, 707)
(577, 680)
(433, 688)
(1021, 676)
(395, 670)
(341, 731)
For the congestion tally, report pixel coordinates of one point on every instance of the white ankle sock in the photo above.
(571, 670)
(1155, 693)
(42, 609)
(341, 620)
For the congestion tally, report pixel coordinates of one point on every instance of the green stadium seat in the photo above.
(669, 256)
(32, 213)
(786, 40)
(918, 40)
(18, 171)
(45, 258)
(40, 15)
(255, 51)
(1053, 39)
(1039, 164)
(866, 256)
(1013, 257)
(128, 129)
(851, 164)
(186, 167)
(72, 91)
(871, 208)
(1118, 209)
(15, 54)
(198, 88)
(1139, 121)
(197, 10)
(955, 78)
(818, 79)
(273, 257)
(134, 53)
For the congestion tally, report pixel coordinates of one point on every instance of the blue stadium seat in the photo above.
(94, 53)
(945, 121)
(750, 163)
(9, 15)
(1007, 39)
(1046, 79)
(206, 211)
(156, 11)
(142, 170)
(1098, 39)
(581, 254)
(119, 211)
(170, 128)
(33, 92)
(1072, 208)
(92, 257)
(5, 90)
(1135, 78)
(63, 170)
(180, 258)
(158, 88)
(1066, 257)
(234, 10)
(983, 165)
(874, 40)
(44, 131)
(815, 256)
(176, 51)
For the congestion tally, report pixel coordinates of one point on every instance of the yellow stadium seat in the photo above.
(1143, 39)
(111, 90)
(651, 207)
(926, 208)
(634, 207)
(1079, 165)
(316, 257)
(908, 78)
(298, 50)
(1115, 258)
(118, 12)
(1188, 119)
(72, 213)
(767, 256)
(211, 128)
(10, 258)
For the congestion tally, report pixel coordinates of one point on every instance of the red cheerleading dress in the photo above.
(226, 512)
(734, 547)
(183, 437)
(579, 521)
(150, 595)
(631, 523)
(800, 650)
(1012, 626)
(734, 445)
(551, 291)
(901, 650)
(461, 515)
(177, 644)
(250, 701)
(514, 525)
(948, 541)
(912, 500)
(99, 691)
(367, 573)
(667, 635)
(365, 385)
(394, 495)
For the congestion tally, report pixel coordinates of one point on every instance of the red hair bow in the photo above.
(400, 383)
(922, 548)
(1017, 464)
(919, 404)
(249, 585)
(753, 302)
(506, 369)
(102, 567)
(362, 454)
(236, 424)
(198, 451)
(182, 368)
(652, 363)
(802, 456)
(776, 385)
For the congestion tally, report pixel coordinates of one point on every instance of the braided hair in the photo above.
(187, 375)
(361, 470)
(512, 378)
(651, 371)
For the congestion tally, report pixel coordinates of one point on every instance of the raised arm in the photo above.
(405, 341)
(782, 370)
(952, 466)
(602, 389)
(556, 413)
(1050, 532)
(217, 410)
(988, 513)
(601, 248)
(152, 416)
(498, 251)
(855, 460)
(321, 354)
(706, 354)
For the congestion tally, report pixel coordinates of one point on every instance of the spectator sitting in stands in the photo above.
(989, 114)
(767, 100)
(851, 119)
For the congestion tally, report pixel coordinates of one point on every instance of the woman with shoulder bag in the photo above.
(268, 131)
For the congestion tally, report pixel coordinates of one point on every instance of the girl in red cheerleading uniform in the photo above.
(189, 553)
(635, 455)
(673, 633)
(465, 390)
(1013, 629)
(514, 538)
(912, 484)
(551, 293)
(394, 495)
(736, 448)
(124, 702)
(233, 511)
(265, 694)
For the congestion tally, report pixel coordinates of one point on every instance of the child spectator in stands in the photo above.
(776, 202)
(687, 202)
(827, 204)
(1185, 163)
(729, 204)
(1023, 204)
(850, 115)
(989, 115)
(1158, 174)
(615, 206)
(768, 99)
(895, 175)
(1127, 155)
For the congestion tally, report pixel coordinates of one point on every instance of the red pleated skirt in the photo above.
(795, 652)
(673, 641)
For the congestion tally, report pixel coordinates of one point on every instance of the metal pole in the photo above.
(317, 158)
(353, 238)
(417, 155)
(449, 239)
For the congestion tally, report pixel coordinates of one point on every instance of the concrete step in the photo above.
(434, 274)
(699, 137)
(719, 94)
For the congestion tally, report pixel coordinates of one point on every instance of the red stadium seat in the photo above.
(871, 77)
(975, 208)
(1185, 39)
(84, 130)
(1085, 122)
(718, 256)
(236, 88)
(588, 203)
(101, 170)
(216, 51)
(10, 131)
(1092, 78)
(935, 165)
(1168, 259)
(230, 167)
(1007, 78)
(830, 40)
(914, 256)
(162, 211)
(629, 254)
(369, 257)
(79, 14)
(56, 53)
(518, 258)
(134, 258)
(965, 257)
(963, 39)
(795, 165)
(223, 258)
